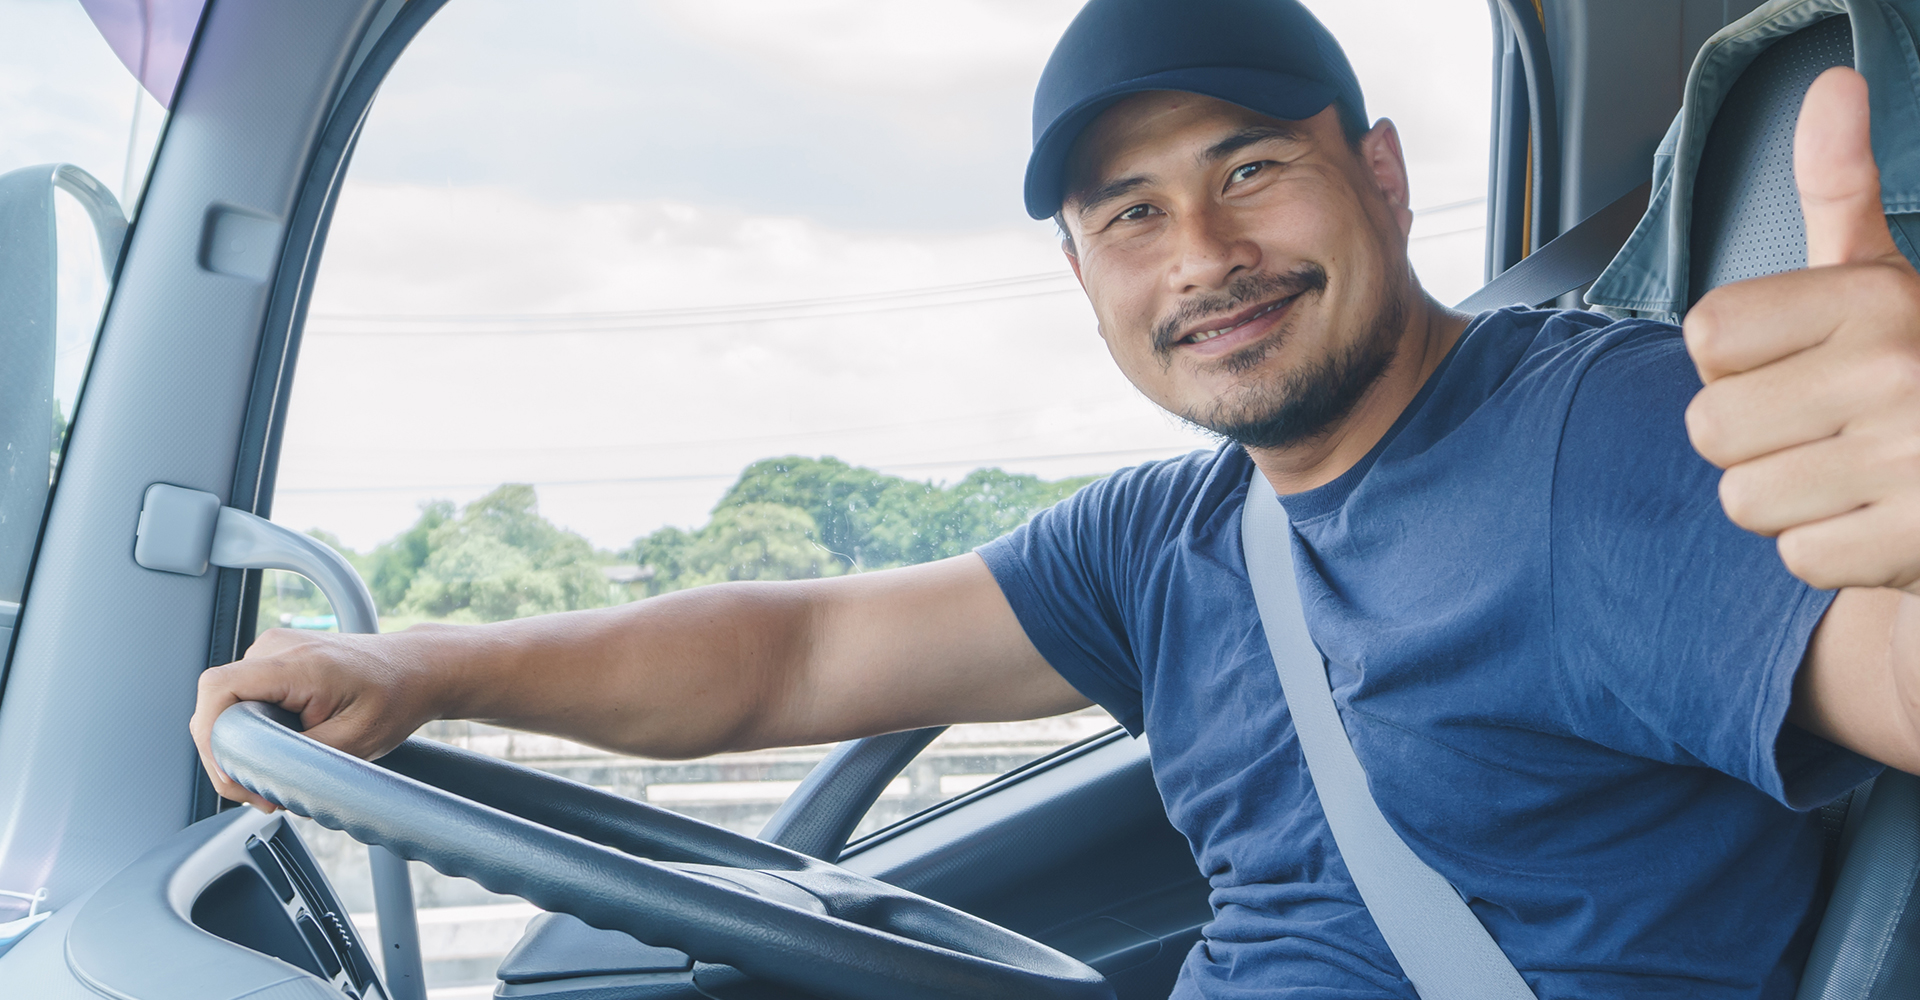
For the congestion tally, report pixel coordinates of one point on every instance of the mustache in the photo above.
(1307, 278)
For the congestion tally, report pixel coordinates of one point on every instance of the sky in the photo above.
(65, 98)
(620, 249)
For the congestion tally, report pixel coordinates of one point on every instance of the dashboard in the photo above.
(277, 903)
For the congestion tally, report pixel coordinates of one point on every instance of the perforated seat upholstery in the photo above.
(1746, 211)
(1746, 223)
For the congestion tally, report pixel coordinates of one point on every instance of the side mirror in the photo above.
(29, 296)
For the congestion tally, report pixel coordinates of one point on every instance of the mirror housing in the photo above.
(29, 297)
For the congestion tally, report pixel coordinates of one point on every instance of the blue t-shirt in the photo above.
(1566, 672)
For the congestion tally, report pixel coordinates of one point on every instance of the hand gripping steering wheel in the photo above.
(666, 879)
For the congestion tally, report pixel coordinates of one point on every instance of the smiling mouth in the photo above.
(1236, 322)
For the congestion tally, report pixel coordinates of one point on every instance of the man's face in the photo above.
(1249, 274)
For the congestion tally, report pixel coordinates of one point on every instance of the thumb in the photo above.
(1834, 169)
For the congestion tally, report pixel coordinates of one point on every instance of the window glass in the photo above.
(629, 298)
(1428, 66)
(65, 99)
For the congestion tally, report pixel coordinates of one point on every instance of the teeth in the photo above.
(1206, 335)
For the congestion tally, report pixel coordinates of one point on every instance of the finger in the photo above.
(1800, 398)
(1811, 482)
(210, 702)
(273, 640)
(1833, 168)
(360, 731)
(221, 688)
(1744, 325)
(1869, 547)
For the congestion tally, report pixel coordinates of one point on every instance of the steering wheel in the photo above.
(666, 879)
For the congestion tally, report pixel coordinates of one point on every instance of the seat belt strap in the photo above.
(1571, 260)
(1441, 946)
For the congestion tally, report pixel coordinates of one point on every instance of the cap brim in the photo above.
(1276, 95)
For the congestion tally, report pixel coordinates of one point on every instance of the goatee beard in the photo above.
(1304, 404)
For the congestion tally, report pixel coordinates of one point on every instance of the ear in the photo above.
(1386, 165)
(1073, 261)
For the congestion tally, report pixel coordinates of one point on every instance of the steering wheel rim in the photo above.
(624, 865)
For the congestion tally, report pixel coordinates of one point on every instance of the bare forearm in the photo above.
(1860, 683)
(733, 667)
(681, 675)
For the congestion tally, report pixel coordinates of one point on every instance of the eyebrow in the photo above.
(1248, 136)
(1110, 190)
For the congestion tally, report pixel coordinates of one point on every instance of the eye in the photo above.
(1246, 170)
(1134, 214)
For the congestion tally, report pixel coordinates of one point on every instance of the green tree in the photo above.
(844, 501)
(937, 522)
(757, 541)
(862, 518)
(500, 559)
(392, 565)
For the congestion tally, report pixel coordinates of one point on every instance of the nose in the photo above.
(1210, 251)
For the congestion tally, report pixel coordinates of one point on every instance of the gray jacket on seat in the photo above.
(1650, 275)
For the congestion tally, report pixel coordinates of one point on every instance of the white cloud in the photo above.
(961, 379)
(870, 46)
(689, 155)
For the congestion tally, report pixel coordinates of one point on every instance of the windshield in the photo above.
(77, 132)
(632, 298)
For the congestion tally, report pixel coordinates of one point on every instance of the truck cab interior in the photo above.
(147, 555)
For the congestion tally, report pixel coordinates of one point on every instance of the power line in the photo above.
(723, 476)
(744, 316)
(1463, 203)
(1450, 232)
(601, 449)
(1015, 287)
(646, 318)
(698, 311)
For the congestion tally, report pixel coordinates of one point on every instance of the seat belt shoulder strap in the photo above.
(1571, 260)
(1441, 946)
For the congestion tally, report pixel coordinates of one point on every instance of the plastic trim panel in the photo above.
(95, 763)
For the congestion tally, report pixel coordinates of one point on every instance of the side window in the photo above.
(1428, 67)
(631, 298)
(76, 135)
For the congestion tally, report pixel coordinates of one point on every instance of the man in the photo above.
(1583, 692)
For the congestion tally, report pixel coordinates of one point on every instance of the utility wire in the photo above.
(824, 432)
(700, 477)
(744, 316)
(1449, 232)
(1449, 206)
(697, 311)
(1019, 286)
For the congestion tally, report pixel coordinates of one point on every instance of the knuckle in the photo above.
(215, 681)
(1895, 286)
(1891, 296)
(1897, 375)
(1707, 428)
(1702, 330)
(1806, 560)
(1903, 289)
(1899, 457)
(1739, 497)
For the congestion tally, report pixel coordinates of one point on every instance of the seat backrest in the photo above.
(1746, 223)
(1868, 947)
(1746, 210)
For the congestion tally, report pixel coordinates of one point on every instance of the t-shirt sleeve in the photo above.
(1679, 631)
(1058, 572)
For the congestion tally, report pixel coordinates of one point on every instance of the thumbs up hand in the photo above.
(1812, 397)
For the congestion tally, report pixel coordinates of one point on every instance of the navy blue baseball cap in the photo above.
(1269, 56)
